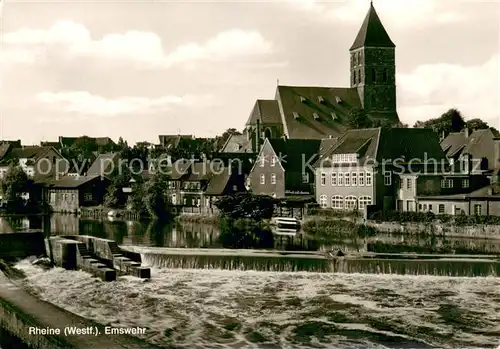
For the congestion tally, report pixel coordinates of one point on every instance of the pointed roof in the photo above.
(372, 32)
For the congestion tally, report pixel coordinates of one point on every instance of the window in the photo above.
(441, 208)
(334, 179)
(374, 75)
(430, 207)
(341, 178)
(359, 76)
(361, 179)
(354, 77)
(477, 210)
(354, 179)
(273, 178)
(350, 202)
(364, 201)
(273, 161)
(323, 178)
(262, 179)
(73, 196)
(425, 207)
(384, 75)
(347, 179)
(368, 178)
(305, 177)
(420, 207)
(465, 183)
(446, 183)
(185, 201)
(262, 161)
(174, 199)
(87, 196)
(337, 202)
(387, 178)
(322, 201)
(409, 183)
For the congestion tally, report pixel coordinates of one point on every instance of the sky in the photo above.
(138, 69)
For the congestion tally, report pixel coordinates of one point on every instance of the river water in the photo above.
(239, 301)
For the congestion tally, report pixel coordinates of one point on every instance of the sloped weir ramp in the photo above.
(20, 311)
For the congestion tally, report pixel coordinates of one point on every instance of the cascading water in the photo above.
(316, 263)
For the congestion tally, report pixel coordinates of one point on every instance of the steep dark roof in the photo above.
(218, 182)
(72, 181)
(204, 170)
(172, 141)
(265, 110)
(179, 169)
(4, 149)
(409, 143)
(387, 144)
(294, 152)
(237, 144)
(454, 143)
(29, 152)
(480, 144)
(103, 164)
(307, 111)
(372, 32)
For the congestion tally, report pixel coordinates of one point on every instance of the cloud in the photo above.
(402, 13)
(145, 48)
(84, 103)
(431, 89)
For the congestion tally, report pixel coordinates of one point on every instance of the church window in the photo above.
(359, 57)
(355, 59)
(354, 78)
(374, 75)
(359, 76)
(384, 76)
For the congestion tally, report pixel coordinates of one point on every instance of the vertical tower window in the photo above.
(359, 76)
(354, 78)
(384, 75)
(355, 59)
(374, 75)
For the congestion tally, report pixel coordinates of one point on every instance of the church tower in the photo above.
(373, 68)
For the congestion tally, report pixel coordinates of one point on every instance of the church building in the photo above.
(301, 112)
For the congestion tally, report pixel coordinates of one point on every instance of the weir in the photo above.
(100, 257)
(399, 264)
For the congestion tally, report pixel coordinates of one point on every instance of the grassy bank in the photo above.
(329, 228)
(198, 218)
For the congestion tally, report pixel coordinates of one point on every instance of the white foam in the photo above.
(190, 300)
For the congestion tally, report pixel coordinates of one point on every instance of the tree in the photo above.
(357, 118)
(450, 121)
(155, 196)
(15, 183)
(246, 205)
(222, 139)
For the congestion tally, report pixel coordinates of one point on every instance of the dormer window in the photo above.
(316, 116)
(302, 99)
(295, 115)
(338, 99)
(321, 100)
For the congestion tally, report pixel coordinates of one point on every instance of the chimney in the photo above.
(497, 152)
(467, 132)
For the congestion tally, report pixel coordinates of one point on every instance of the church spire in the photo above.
(372, 32)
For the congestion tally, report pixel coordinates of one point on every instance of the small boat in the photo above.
(286, 223)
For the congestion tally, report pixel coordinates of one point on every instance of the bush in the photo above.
(246, 205)
(244, 233)
(336, 228)
(326, 212)
(429, 217)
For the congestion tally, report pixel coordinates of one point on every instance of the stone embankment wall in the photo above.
(475, 231)
(21, 245)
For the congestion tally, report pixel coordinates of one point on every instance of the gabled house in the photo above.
(35, 161)
(368, 166)
(475, 149)
(104, 164)
(283, 168)
(69, 194)
(100, 144)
